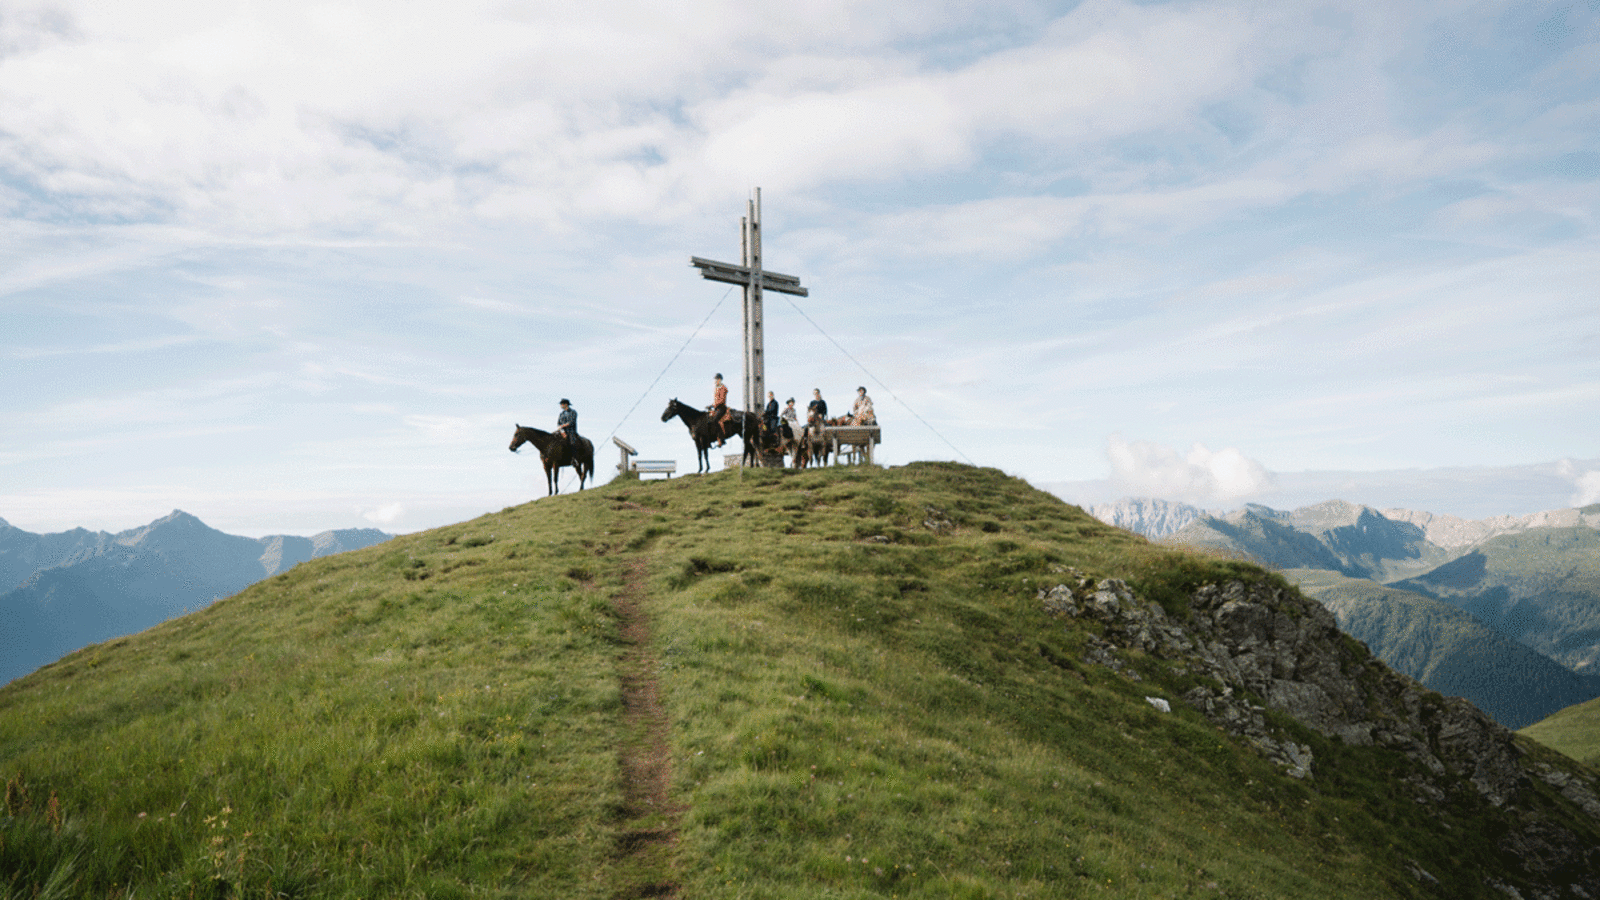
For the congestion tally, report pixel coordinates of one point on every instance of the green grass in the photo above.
(865, 700)
(1575, 731)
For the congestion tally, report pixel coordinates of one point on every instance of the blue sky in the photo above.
(300, 266)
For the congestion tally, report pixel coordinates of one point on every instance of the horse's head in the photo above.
(518, 438)
(672, 409)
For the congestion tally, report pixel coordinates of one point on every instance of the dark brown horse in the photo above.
(555, 452)
(704, 432)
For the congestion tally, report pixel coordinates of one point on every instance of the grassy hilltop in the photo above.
(835, 683)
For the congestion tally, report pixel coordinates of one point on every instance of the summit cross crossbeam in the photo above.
(754, 279)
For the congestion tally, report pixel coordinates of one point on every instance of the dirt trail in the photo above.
(650, 821)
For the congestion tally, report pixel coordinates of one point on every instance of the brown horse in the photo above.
(555, 452)
(813, 449)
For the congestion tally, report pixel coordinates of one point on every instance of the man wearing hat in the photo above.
(861, 413)
(567, 423)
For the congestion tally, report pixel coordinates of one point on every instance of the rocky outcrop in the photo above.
(1268, 647)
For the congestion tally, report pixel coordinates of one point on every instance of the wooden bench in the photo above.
(858, 438)
(642, 466)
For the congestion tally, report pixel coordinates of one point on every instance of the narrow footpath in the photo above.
(648, 830)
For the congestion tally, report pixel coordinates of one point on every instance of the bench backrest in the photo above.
(854, 434)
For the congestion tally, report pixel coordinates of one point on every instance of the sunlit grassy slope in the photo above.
(1574, 731)
(865, 700)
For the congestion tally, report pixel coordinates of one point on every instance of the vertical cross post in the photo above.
(755, 372)
(750, 275)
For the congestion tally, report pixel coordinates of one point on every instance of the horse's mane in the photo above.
(685, 410)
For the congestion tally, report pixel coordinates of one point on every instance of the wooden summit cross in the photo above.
(754, 279)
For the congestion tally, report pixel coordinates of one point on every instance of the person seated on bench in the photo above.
(861, 413)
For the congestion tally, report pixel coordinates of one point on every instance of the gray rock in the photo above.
(1272, 643)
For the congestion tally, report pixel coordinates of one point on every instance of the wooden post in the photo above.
(627, 451)
(755, 370)
(750, 275)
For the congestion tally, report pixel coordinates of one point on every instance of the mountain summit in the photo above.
(926, 681)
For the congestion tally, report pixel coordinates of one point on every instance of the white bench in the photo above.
(642, 466)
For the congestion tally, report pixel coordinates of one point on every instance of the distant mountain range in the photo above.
(1503, 611)
(60, 592)
(1148, 516)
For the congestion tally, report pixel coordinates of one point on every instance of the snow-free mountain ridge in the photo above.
(59, 592)
(1503, 611)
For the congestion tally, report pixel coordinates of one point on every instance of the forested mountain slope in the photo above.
(1541, 587)
(1448, 649)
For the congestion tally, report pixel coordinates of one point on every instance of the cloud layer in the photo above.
(342, 247)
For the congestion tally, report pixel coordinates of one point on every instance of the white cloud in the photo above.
(1199, 476)
(300, 246)
(387, 514)
(1585, 481)
(1111, 68)
(1588, 489)
(887, 129)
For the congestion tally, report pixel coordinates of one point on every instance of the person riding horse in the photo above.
(769, 419)
(567, 423)
(790, 417)
(817, 405)
(719, 408)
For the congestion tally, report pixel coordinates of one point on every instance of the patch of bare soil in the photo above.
(649, 820)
